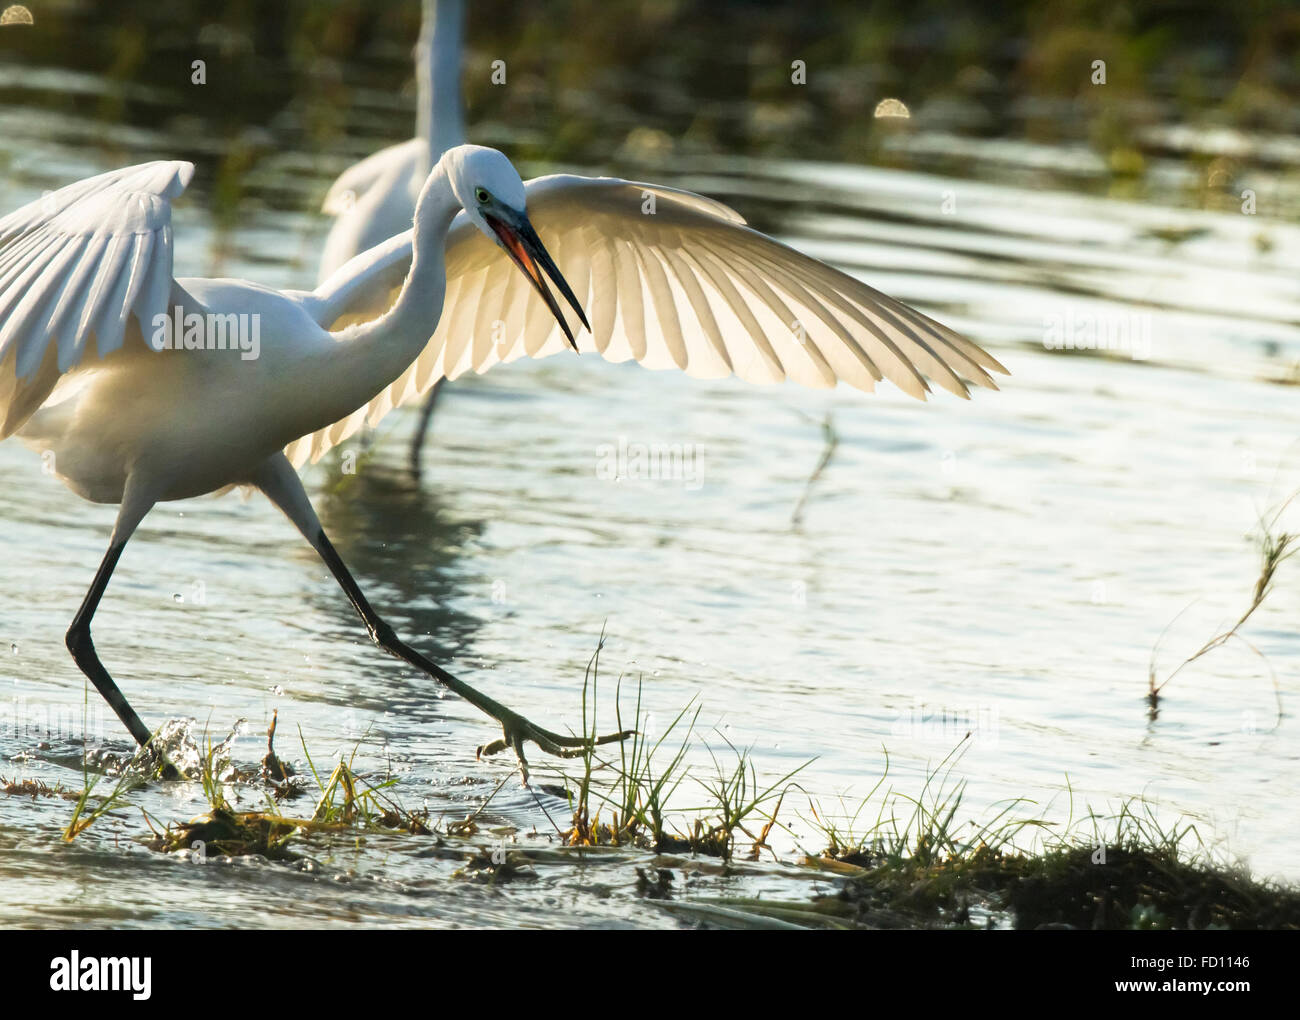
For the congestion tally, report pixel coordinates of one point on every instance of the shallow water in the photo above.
(1003, 565)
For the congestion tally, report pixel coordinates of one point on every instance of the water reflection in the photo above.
(405, 540)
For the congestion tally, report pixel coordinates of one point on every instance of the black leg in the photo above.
(83, 648)
(280, 482)
(426, 415)
(516, 729)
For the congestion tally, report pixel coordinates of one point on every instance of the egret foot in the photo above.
(169, 772)
(153, 760)
(159, 765)
(516, 731)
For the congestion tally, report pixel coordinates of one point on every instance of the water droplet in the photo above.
(277, 690)
(178, 597)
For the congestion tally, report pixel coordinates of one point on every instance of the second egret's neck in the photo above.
(370, 356)
(439, 119)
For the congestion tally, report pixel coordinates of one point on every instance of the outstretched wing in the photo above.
(78, 264)
(668, 278)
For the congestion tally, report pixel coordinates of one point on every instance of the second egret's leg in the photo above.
(278, 480)
(421, 430)
(132, 511)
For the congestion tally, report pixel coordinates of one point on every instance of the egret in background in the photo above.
(375, 199)
(673, 280)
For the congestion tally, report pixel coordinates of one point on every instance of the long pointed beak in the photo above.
(521, 242)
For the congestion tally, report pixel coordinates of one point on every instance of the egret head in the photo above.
(490, 191)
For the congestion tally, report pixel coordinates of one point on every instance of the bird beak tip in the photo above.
(522, 243)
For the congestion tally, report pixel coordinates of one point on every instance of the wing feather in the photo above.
(667, 278)
(748, 347)
(81, 262)
(701, 360)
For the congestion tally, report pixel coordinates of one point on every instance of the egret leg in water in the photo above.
(422, 429)
(281, 485)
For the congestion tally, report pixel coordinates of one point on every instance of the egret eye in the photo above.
(481, 194)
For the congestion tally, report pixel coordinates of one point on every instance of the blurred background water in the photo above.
(1003, 566)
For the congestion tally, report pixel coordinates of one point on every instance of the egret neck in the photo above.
(439, 121)
(369, 356)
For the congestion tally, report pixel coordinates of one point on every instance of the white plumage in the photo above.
(375, 199)
(687, 286)
(79, 263)
(670, 279)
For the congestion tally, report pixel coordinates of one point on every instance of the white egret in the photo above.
(672, 279)
(375, 199)
(86, 290)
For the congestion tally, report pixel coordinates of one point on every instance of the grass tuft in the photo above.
(633, 791)
(915, 867)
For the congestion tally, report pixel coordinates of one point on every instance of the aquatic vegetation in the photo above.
(84, 814)
(830, 441)
(894, 858)
(1126, 870)
(34, 788)
(1275, 548)
(636, 797)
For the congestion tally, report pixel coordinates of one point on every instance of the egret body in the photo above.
(86, 290)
